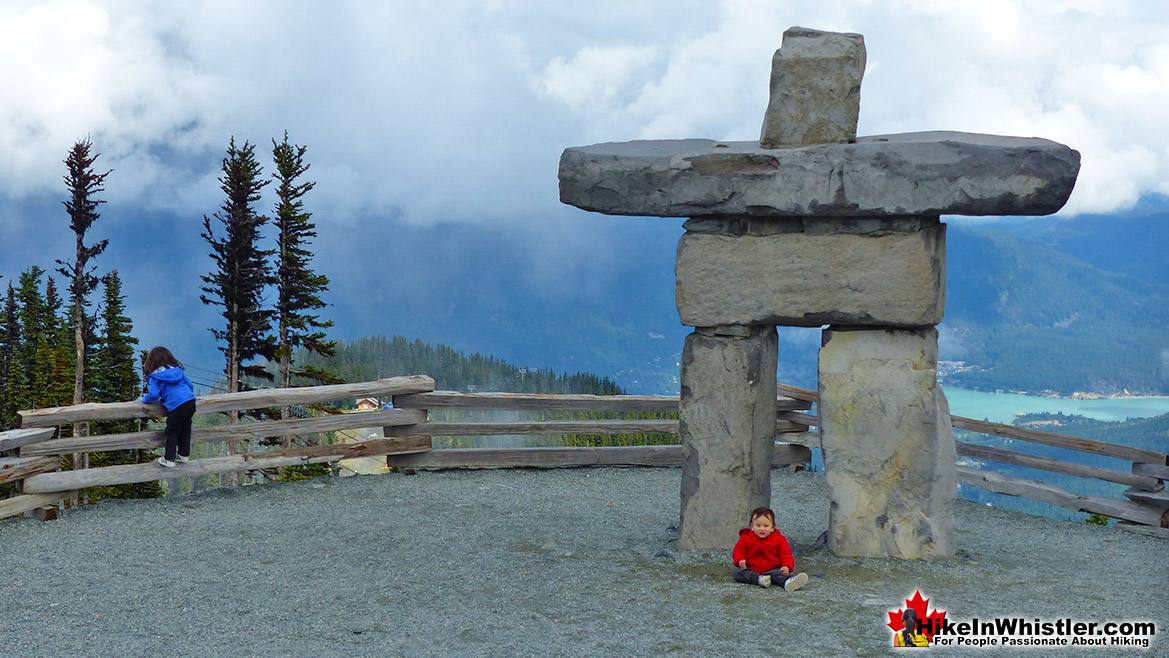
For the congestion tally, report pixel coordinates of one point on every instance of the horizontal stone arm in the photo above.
(930, 173)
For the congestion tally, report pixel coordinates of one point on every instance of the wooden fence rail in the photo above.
(256, 430)
(219, 403)
(129, 473)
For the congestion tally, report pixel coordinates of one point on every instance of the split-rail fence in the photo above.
(408, 429)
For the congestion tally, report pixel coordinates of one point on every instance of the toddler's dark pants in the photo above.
(178, 430)
(778, 577)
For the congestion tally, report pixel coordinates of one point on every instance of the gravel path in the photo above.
(575, 562)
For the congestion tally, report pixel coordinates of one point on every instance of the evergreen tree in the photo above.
(9, 344)
(115, 377)
(240, 275)
(241, 268)
(83, 185)
(53, 356)
(298, 287)
(25, 376)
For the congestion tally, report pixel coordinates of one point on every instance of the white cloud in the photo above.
(458, 110)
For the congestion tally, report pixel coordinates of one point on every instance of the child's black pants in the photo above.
(178, 430)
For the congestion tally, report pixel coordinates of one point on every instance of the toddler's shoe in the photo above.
(795, 582)
(163, 461)
(765, 581)
(183, 459)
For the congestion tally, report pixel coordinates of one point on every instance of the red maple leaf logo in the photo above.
(930, 623)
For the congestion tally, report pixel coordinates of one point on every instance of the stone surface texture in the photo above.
(815, 88)
(811, 278)
(888, 445)
(931, 173)
(727, 418)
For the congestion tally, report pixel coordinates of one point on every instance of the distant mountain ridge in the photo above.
(1036, 319)
(1022, 314)
(1135, 244)
(1033, 304)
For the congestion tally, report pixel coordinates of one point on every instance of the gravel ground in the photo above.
(576, 562)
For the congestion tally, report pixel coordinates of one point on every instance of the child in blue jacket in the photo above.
(168, 384)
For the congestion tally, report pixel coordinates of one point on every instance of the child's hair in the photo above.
(158, 358)
(762, 511)
(909, 618)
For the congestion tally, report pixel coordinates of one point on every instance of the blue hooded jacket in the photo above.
(170, 386)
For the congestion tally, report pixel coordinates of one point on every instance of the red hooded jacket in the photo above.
(763, 555)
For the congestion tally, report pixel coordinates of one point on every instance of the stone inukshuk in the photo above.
(813, 226)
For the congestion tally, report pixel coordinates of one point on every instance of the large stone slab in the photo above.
(727, 426)
(930, 173)
(807, 277)
(888, 445)
(815, 88)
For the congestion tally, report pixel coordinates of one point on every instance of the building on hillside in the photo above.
(368, 404)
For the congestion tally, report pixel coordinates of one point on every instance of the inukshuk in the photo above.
(812, 226)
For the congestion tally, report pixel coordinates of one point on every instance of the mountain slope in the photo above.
(602, 301)
(1035, 319)
(1135, 244)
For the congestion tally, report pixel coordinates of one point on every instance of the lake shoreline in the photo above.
(1006, 406)
(1055, 396)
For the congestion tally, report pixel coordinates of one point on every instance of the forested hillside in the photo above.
(375, 357)
(1033, 319)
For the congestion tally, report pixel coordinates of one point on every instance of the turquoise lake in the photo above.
(1003, 407)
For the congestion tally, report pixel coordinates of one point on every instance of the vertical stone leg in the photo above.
(888, 444)
(727, 424)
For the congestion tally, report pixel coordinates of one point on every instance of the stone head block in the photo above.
(932, 173)
(807, 279)
(815, 88)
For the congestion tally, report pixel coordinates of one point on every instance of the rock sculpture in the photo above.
(813, 226)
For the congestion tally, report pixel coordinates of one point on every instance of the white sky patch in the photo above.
(457, 111)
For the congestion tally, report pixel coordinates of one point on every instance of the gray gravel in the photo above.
(574, 562)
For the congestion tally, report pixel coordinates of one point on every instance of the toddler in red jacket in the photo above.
(762, 556)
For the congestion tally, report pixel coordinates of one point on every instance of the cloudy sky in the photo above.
(450, 112)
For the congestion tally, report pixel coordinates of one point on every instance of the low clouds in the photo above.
(457, 111)
(422, 118)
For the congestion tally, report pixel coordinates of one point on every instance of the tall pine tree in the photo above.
(240, 275)
(83, 185)
(298, 287)
(241, 268)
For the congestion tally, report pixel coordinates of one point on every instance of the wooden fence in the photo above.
(1144, 509)
(41, 482)
(408, 428)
